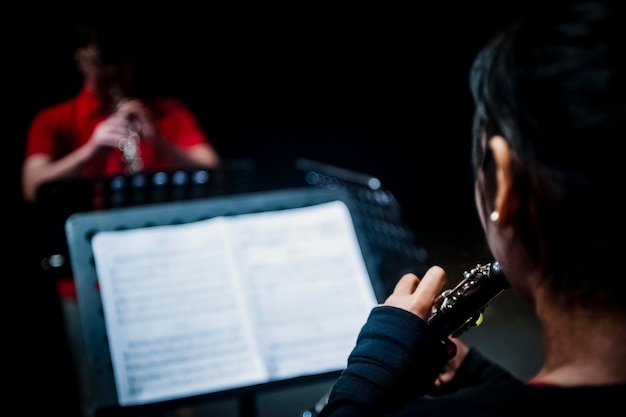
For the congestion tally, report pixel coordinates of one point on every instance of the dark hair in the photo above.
(116, 45)
(553, 86)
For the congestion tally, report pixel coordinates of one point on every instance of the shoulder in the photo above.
(57, 109)
(170, 109)
(513, 397)
(54, 114)
(166, 104)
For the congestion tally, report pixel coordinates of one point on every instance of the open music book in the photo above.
(232, 301)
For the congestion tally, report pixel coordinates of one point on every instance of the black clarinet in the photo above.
(459, 309)
(462, 307)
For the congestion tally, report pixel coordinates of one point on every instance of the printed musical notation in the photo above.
(231, 301)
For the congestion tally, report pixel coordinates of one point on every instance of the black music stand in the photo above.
(81, 227)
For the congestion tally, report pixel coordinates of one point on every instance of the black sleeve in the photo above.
(474, 370)
(396, 358)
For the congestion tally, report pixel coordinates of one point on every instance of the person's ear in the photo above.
(506, 202)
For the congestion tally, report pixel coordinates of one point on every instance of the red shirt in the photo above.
(63, 127)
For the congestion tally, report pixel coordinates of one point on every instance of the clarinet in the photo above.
(462, 307)
(129, 146)
(459, 309)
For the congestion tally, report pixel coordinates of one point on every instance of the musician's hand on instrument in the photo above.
(108, 134)
(139, 117)
(418, 295)
(450, 368)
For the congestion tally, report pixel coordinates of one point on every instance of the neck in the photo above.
(582, 347)
(109, 95)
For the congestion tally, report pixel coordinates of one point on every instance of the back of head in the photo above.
(554, 86)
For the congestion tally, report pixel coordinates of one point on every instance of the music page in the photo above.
(231, 301)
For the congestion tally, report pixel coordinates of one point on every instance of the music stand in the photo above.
(82, 227)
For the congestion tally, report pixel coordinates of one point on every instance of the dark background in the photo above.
(376, 89)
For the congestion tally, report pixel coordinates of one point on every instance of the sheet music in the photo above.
(231, 301)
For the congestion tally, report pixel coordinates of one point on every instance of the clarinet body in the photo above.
(131, 153)
(459, 308)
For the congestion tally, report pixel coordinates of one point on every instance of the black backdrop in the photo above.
(377, 89)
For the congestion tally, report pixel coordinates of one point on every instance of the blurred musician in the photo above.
(105, 129)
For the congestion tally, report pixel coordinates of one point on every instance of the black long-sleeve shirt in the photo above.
(391, 370)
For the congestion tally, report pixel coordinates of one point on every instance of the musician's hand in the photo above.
(449, 370)
(108, 134)
(417, 295)
(136, 112)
